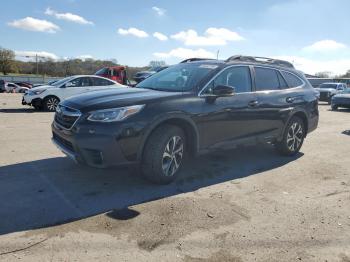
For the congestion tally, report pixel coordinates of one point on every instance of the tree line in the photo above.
(58, 68)
(62, 68)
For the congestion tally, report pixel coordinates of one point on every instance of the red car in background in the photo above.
(116, 73)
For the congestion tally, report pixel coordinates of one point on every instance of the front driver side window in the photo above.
(237, 77)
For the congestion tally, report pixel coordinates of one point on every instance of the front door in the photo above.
(228, 118)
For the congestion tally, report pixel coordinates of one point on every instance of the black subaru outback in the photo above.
(186, 109)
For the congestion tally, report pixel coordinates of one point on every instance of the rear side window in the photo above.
(101, 82)
(292, 80)
(283, 83)
(266, 79)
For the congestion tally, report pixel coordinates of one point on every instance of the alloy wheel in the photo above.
(295, 136)
(52, 103)
(172, 155)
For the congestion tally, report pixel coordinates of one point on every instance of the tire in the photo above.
(50, 103)
(334, 107)
(164, 154)
(293, 137)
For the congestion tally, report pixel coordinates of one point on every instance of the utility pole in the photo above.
(37, 66)
(217, 54)
(37, 57)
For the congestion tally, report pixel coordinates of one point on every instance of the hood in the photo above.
(37, 88)
(113, 98)
(331, 90)
(343, 95)
(144, 73)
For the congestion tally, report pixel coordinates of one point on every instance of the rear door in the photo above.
(278, 94)
(101, 83)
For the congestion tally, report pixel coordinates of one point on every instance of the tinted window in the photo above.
(237, 77)
(292, 80)
(180, 77)
(283, 83)
(333, 86)
(101, 82)
(80, 81)
(102, 71)
(266, 79)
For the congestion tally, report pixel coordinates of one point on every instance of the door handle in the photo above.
(253, 103)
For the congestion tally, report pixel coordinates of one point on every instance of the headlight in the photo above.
(36, 92)
(114, 114)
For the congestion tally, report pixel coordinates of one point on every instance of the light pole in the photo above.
(36, 60)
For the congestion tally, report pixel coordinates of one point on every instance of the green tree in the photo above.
(7, 58)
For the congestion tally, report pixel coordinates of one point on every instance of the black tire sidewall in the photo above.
(283, 146)
(153, 154)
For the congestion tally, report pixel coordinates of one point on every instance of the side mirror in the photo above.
(222, 90)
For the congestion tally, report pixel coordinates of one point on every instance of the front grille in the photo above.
(63, 141)
(324, 95)
(66, 117)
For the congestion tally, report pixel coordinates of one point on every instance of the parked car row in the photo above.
(47, 97)
(8, 87)
(328, 90)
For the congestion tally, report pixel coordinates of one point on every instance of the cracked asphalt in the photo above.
(245, 204)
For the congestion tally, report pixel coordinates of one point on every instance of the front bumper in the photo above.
(95, 147)
(341, 102)
(32, 101)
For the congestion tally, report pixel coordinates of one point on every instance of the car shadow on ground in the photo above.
(346, 132)
(43, 193)
(21, 110)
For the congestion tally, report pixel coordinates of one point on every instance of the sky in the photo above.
(313, 34)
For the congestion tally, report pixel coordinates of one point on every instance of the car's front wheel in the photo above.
(50, 103)
(334, 107)
(293, 137)
(164, 154)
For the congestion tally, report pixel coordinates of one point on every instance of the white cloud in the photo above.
(33, 24)
(84, 57)
(212, 37)
(31, 55)
(68, 17)
(158, 10)
(324, 46)
(310, 66)
(133, 31)
(160, 36)
(184, 53)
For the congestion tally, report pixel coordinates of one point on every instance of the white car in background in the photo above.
(47, 97)
(14, 88)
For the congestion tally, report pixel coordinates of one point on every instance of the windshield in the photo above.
(62, 81)
(181, 77)
(102, 71)
(334, 86)
(346, 91)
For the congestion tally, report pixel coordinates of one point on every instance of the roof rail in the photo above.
(194, 59)
(258, 59)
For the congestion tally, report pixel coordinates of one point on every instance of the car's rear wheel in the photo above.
(164, 154)
(50, 103)
(293, 137)
(334, 107)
